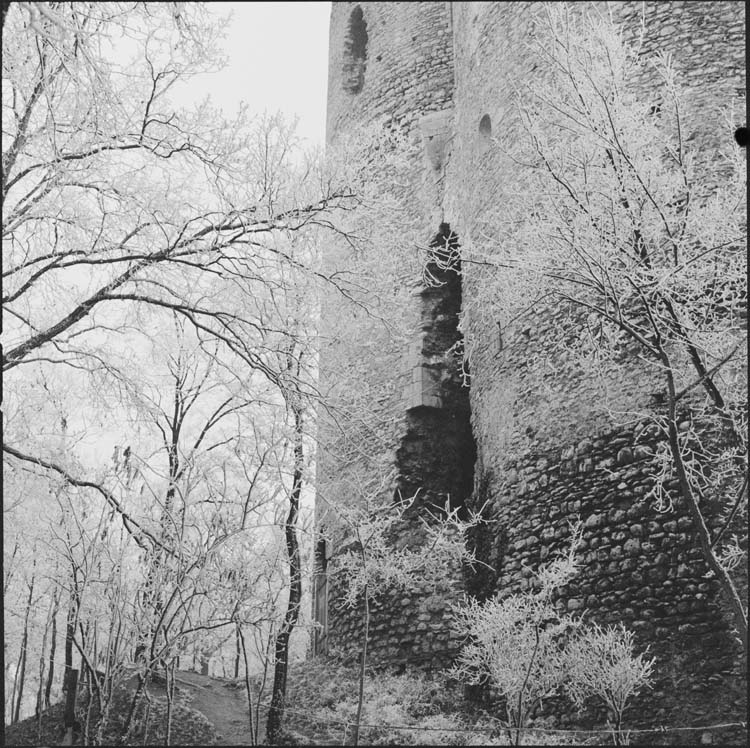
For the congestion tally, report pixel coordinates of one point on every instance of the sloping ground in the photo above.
(223, 703)
(321, 709)
(189, 725)
(206, 711)
(321, 706)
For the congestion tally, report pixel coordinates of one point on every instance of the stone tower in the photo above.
(444, 73)
(392, 64)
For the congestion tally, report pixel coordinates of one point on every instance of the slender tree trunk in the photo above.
(154, 598)
(281, 654)
(241, 640)
(134, 703)
(237, 654)
(704, 535)
(521, 711)
(52, 650)
(362, 664)
(24, 646)
(169, 676)
(618, 729)
(266, 661)
(18, 682)
(9, 570)
(42, 663)
(70, 628)
(87, 721)
(13, 692)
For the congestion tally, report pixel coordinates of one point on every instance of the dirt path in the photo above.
(222, 702)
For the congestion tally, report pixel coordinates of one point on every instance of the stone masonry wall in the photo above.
(404, 374)
(638, 566)
(549, 451)
(549, 446)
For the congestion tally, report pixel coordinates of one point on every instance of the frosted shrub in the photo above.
(602, 664)
(392, 701)
(373, 565)
(528, 650)
(515, 643)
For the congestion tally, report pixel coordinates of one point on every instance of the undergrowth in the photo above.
(397, 710)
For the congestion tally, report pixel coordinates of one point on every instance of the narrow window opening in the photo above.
(485, 126)
(355, 53)
(500, 344)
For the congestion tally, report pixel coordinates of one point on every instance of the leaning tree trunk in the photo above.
(281, 654)
(22, 656)
(70, 626)
(253, 731)
(704, 536)
(52, 649)
(237, 654)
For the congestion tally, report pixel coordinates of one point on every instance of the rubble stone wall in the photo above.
(550, 449)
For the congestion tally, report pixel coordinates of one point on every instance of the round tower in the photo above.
(548, 452)
(397, 422)
(541, 451)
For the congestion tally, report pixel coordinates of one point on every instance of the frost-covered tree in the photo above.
(603, 665)
(152, 260)
(634, 227)
(529, 650)
(371, 566)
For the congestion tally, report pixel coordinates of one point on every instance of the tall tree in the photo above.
(294, 600)
(640, 235)
(122, 214)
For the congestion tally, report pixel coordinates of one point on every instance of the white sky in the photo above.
(278, 61)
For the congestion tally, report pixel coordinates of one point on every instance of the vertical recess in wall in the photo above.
(437, 453)
(355, 53)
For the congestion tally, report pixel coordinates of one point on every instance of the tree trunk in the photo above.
(22, 655)
(70, 628)
(52, 650)
(42, 663)
(8, 571)
(362, 665)
(281, 653)
(617, 735)
(134, 703)
(241, 640)
(237, 654)
(153, 600)
(71, 691)
(704, 536)
(169, 676)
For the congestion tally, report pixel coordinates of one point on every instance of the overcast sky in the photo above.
(278, 60)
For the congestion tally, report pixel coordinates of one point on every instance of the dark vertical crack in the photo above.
(437, 453)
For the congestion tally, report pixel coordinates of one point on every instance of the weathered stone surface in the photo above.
(544, 458)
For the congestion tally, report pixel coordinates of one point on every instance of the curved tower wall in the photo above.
(399, 422)
(547, 451)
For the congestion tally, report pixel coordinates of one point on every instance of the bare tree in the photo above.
(291, 616)
(621, 220)
(132, 228)
(20, 676)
